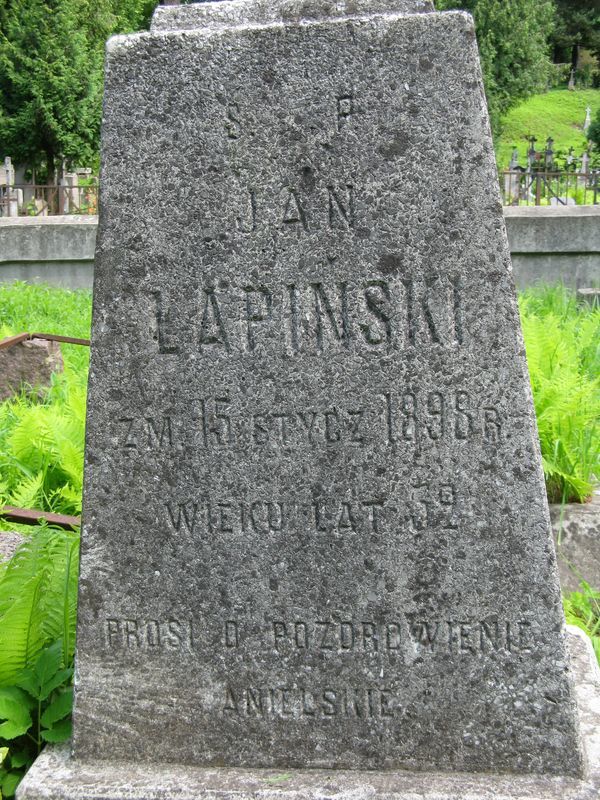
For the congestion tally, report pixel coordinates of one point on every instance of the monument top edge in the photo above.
(216, 14)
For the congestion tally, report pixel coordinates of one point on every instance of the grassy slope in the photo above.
(559, 113)
(45, 309)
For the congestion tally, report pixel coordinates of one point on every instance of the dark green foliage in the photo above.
(513, 43)
(51, 57)
(593, 133)
(36, 710)
(577, 25)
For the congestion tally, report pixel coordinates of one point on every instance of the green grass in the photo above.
(558, 113)
(46, 309)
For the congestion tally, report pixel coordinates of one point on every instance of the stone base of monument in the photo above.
(57, 776)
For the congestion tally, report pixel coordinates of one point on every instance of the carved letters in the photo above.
(408, 419)
(422, 507)
(373, 315)
(415, 634)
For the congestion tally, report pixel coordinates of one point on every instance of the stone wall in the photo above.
(551, 244)
(54, 250)
(547, 244)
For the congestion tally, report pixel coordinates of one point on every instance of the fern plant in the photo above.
(41, 448)
(38, 596)
(38, 602)
(37, 709)
(562, 341)
(583, 609)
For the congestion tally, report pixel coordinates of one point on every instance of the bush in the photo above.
(593, 133)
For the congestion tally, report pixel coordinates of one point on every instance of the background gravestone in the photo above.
(28, 366)
(316, 532)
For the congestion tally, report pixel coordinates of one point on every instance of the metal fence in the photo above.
(41, 200)
(540, 188)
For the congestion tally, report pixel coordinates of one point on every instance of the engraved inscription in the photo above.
(400, 419)
(233, 126)
(414, 633)
(340, 636)
(205, 516)
(341, 206)
(376, 315)
(345, 109)
(246, 220)
(424, 506)
(293, 212)
(289, 702)
(149, 634)
(403, 635)
(468, 637)
(146, 433)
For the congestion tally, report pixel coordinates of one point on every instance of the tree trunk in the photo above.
(51, 195)
(50, 168)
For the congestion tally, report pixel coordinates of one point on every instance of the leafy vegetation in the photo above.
(513, 38)
(562, 340)
(593, 133)
(41, 442)
(51, 76)
(558, 113)
(583, 609)
(38, 600)
(577, 25)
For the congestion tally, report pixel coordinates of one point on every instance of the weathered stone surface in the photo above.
(57, 777)
(577, 540)
(28, 365)
(316, 532)
(228, 13)
(9, 542)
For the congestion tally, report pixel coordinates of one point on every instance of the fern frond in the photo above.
(28, 493)
(21, 630)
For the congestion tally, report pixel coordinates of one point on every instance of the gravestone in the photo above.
(28, 367)
(317, 555)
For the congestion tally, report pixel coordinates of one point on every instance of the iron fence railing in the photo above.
(41, 200)
(540, 188)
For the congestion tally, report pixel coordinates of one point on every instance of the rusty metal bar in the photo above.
(33, 516)
(52, 337)
(5, 344)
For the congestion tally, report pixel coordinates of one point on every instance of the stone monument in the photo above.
(317, 555)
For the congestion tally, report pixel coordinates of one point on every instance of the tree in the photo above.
(593, 133)
(51, 57)
(513, 40)
(578, 25)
